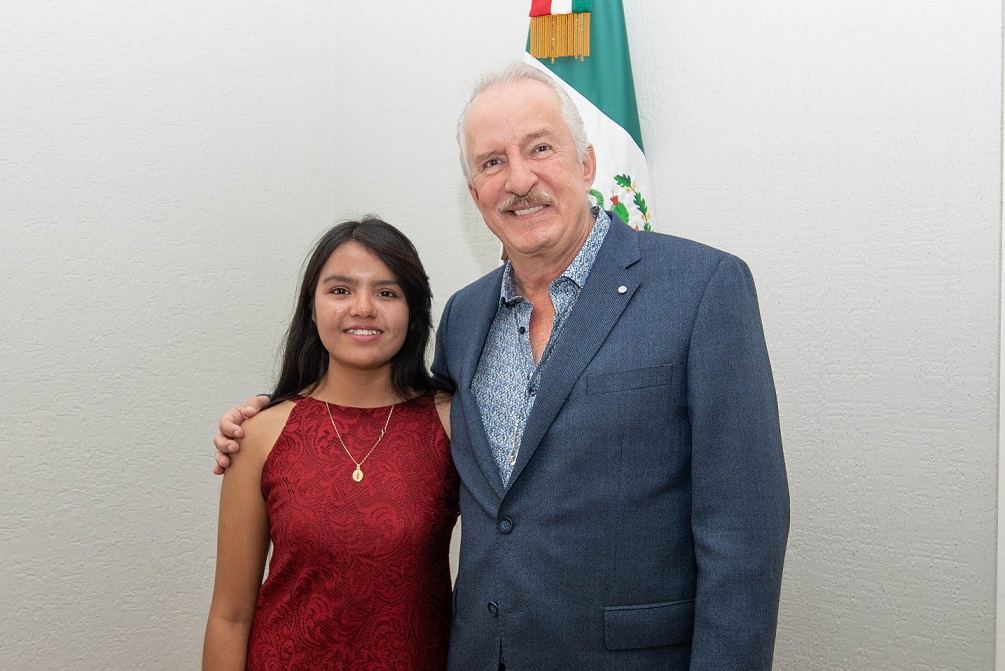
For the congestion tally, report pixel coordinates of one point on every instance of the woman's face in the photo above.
(360, 310)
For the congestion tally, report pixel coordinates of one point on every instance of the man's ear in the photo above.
(589, 166)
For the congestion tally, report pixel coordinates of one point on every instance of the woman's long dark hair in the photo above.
(305, 359)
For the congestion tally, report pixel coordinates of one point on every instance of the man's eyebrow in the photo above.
(481, 158)
(539, 134)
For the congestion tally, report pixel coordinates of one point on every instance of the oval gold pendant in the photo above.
(357, 475)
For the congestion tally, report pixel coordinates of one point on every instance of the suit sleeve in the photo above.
(439, 369)
(740, 500)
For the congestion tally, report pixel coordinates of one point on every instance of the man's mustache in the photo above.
(525, 201)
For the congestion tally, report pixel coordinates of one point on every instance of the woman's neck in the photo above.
(358, 389)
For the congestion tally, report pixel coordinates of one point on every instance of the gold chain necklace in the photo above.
(357, 475)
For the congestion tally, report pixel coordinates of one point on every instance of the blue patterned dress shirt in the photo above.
(506, 381)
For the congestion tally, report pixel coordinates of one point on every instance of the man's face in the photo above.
(527, 180)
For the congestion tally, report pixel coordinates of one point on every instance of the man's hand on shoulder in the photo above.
(230, 430)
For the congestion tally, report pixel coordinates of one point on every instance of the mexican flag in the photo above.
(584, 45)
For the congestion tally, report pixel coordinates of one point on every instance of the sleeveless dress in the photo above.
(359, 577)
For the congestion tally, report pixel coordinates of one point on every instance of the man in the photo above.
(624, 498)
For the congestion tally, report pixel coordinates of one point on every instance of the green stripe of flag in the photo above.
(605, 76)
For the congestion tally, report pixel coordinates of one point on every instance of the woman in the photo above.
(348, 472)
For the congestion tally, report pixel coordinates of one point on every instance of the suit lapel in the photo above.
(480, 310)
(598, 308)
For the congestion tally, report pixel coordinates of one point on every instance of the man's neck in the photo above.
(532, 274)
(532, 280)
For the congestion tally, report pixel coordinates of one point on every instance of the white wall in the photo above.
(164, 167)
(850, 152)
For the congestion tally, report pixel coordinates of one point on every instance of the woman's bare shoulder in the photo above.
(262, 430)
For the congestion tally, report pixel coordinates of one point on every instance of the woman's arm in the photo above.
(442, 402)
(242, 545)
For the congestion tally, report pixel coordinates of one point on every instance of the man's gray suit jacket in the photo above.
(645, 522)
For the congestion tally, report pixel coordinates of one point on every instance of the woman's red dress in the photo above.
(359, 577)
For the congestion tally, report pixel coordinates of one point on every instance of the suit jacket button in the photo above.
(505, 525)
(494, 609)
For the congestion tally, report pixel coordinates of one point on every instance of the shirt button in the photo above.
(505, 525)
(531, 391)
(494, 608)
(521, 330)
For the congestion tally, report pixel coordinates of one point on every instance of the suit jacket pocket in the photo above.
(633, 378)
(648, 625)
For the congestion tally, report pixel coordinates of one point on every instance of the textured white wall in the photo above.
(165, 167)
(850, 151)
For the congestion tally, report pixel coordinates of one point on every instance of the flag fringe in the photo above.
(558, 35)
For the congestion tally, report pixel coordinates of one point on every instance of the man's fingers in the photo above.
(224, 444)
(230, 428)
(222, 463)
(251, 407)
(230, 424)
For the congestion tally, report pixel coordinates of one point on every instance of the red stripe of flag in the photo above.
(540, 7)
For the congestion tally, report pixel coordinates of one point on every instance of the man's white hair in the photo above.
(513, 73)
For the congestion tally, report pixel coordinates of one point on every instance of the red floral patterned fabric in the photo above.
(359, 577)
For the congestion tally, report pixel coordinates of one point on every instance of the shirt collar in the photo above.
(580, 267)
